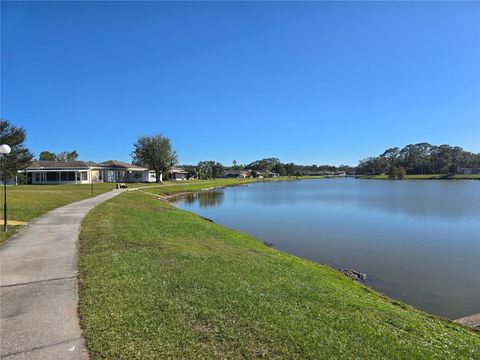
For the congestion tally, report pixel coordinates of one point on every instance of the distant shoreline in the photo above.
(424, 177)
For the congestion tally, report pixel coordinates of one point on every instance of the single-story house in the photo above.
(240, 174)
(119, 171)
(470, 171)
(83, 172)
(265, 174)
(259, 173)
(272, 174)
(177, 173)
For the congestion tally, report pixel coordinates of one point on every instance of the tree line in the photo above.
(211, 169)
(156, 153)
(292, 169)
(421, 158)
(61, 156)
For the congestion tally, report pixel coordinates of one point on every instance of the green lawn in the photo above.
(159, 282)
(26, 202)
(427, 177)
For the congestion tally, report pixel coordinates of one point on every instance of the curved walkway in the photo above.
(38, 280)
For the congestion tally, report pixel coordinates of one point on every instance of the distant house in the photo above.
(83, 172)
(240, 174)
(265, 174)
(317, 173)
(119, 171)
(178, 173)
(272, 174)
(258, 173)
(470, 171)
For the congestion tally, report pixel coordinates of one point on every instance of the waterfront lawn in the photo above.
(26, 202)
(159, 282)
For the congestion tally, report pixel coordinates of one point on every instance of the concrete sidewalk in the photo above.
(38, 286)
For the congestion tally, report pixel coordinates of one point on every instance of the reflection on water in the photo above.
(418, 241)
(204, 199)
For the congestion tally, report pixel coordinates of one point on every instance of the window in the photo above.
(67, 176)
(52, 176)
(84, 176)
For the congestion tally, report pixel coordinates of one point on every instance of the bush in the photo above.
(393, 173)
(401, 173)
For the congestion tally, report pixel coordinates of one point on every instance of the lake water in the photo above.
(417, 241)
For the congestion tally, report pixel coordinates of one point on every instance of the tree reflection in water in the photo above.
(205, 199)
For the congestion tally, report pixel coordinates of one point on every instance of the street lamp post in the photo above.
(5, 150)
(91, 182)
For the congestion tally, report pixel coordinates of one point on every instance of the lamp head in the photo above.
(5, 149)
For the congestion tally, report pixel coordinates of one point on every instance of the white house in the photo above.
(83, 172)
(119, 171)
(177, 173)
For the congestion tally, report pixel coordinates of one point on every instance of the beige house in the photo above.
(240, 174)
(83, 172)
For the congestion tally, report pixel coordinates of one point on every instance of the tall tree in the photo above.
(264, 164)
(47, 156)
(422, 158)
(442, 159)
(280, 169)
(20, 157)
(205, 170)
(73, 155)
(458, 159)
(372, 166)
(291, 168)
(210, 169)
(391, 156)
(217, 170)
(236, 166)
(67, 156)
(154, 152)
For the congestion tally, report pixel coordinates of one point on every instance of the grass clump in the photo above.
(159, 282)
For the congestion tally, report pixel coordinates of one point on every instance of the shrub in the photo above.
(393, 173)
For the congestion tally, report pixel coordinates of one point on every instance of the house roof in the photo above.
(175, 169)
(120, 164)
(238, 171)
(42, 164)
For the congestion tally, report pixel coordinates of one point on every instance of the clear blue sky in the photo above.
(307, 82)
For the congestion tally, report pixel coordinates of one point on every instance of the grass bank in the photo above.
(159, 282)
(26, 202)
(426, 177)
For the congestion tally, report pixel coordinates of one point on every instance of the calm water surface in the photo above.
(417, 241)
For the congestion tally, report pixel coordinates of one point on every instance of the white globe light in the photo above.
(5, 149)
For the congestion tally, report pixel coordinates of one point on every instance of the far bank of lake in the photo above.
(417, 241)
